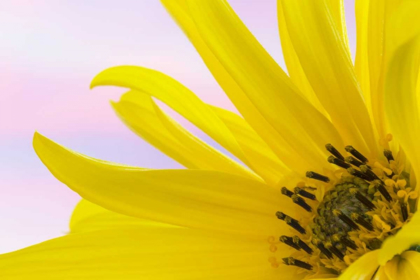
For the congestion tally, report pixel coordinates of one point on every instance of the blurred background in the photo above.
(49, 52)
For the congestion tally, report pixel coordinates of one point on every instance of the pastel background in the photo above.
(49, 52)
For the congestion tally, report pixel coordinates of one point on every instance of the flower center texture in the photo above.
(349, 212)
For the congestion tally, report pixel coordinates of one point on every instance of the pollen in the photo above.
(346, 214)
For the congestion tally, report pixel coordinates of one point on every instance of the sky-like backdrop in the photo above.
(49, 52)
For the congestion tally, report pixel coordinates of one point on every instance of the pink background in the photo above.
(49, 52)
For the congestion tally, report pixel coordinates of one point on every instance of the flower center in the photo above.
(348, 213)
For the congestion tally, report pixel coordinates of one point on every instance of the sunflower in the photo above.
(330, 154)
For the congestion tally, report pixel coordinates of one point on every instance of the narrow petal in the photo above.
(264, 82)
(174, 95)
(375, 21)
(363, 268)
(403, 240)
(88, 216)
(140, 253)
(367, 39)
(325, 60)
(143, 116)
(370, 22)
(262, 159)
(336, 8)
(191, 198)
(294, 68)
(401, 97)
(296, 73)
(275, 140)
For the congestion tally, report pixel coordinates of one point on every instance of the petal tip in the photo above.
(37, 138)
(100, 78)
(95, 81)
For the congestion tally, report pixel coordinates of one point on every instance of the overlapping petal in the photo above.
(193, 198)
(141, 253)
(294, 67)
(363, 268)
(371, 19)
(403, 240)
(381, 27)
(143, 116)
(401, 267)
(262, 158)
(408, 267)
(266, 85)
(174, 95)
(401, 100)
(275, 140)
(325, 60)
(88, 216)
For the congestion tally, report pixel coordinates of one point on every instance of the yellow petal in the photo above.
(367, 59)
(174, 95)
(264, 82)
(262, 159)
(337, 12)
(91, 217)
(325, 60)
(382, 272)
(191, 198)
(294, 67)
(401, 101)
(379, 31)
(408, 236)
(363, 268)
(371, 18)
(401, 267)
(275, 140)
(139, 253)
(409, 267)
(143, 116)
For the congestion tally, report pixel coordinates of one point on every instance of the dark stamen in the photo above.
(383, 190)
(304, 193)
(359, 174)
(316, 176)
(356, 154)
(346, 219)
(302, 245)
(348, 242)
(359, 219)
(334, 250)
(295, 224)
(298, 263)
(322, 248)
(368, 172)
(338, 162)
(404, 211)
(291, 222)
(289, 241)
(286, 192)
(388, 155)
(301, 202)
(281, 215)
(353, 161)
(363, 199)
(333, 151)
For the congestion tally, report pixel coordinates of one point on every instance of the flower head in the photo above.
(331, 153)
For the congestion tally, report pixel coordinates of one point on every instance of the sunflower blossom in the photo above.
(330, 153)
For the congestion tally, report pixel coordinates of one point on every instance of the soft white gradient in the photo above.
(49, 52)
